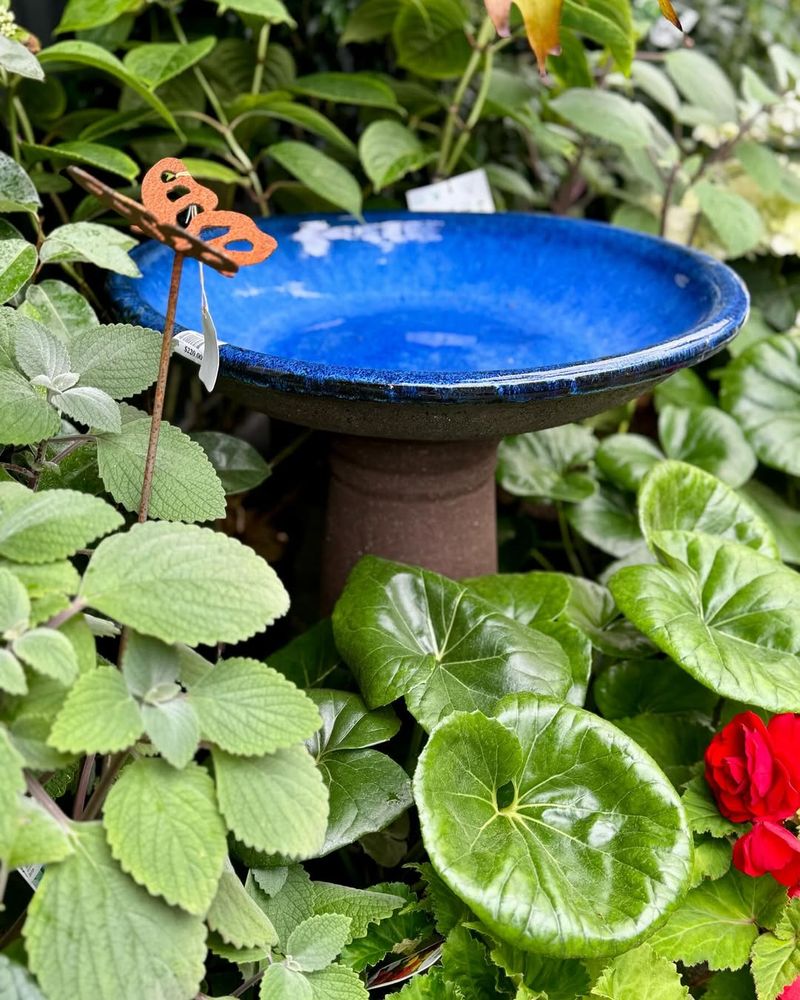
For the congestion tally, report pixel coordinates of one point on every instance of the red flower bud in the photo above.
(769, 849)
(754, 770)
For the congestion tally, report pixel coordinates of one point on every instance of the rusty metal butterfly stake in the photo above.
(177, 210)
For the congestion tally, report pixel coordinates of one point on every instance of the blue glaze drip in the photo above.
(452, 307)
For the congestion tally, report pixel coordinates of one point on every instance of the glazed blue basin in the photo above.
(447, 327)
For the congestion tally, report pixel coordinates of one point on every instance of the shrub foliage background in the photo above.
(227, 811)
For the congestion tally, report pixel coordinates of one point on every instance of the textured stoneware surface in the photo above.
(449, 327)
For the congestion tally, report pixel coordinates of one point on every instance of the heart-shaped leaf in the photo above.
(559, 832)
(727, 615)
(761, 389)
(411, 633)
(550, 463)
(679, 497)
(708, 438)
(625, 459)
(525, 597)
(608, 520)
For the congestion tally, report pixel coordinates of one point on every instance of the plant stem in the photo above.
(665, 205)
(83, 786)
(252, 981)
(113, 766)
(161, 387)
(475, 113)
(566, 538)
(261, 58)
(485, 33)
(40, 795)
(4, 873)
(290, 448)
(75, 607)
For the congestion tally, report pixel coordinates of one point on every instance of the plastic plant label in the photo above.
(32, 875)
(190, 344)
(399, 970)
(469, 192)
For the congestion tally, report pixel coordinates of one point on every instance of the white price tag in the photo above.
(32, 875)
(468, 192)
(190, 344)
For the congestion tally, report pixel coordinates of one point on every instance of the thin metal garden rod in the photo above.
(161, 387)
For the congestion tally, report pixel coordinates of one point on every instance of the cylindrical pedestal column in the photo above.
(426, 503)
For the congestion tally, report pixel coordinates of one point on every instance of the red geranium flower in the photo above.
(769, 849)
(754, 770)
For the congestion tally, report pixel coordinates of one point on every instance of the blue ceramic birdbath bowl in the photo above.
(420, 340)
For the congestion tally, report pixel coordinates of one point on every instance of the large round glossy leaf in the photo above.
(549, 463)
(708, 438)
(676, 496)
(727, 615)
(411, 633)
(526, 597)
(558, 831)
(761, 389)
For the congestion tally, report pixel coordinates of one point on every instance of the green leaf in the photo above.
(684, 388)
(15, 605)
(272, 11)
(154, 64)
(371, 21)
(347, 724)
(316, 942)
(679, 497)
(83, 53)
(592, 609)
(237, 463)
(90, 243)
(164, 829)
(537, 976)
(528, 598)
(362, 906)
(277, 106)
(776, 956)
(468, 967)
(708, 438)
(277, 804)
(703, 84)
(633, 687)
(675, 742)
(610, 24)
(181, 583)
(246, 708)
(99, 716)
(185, 485)
(18, 260)
(761, 389)
(16, 983)
(90, 407)
(548, 463)
(17, 59)
(118, 358)
(47, 652)
(389, 151)
(782, 518)
(737, 222)
(605, 115)
(37, 351)
(93, 154)
(59, 307)
(712, 859)
(281, 983)
(718, 921)
(12, 674)
(12, 784)
(702, 813)
(131, 944)
(504, 829)
(49, 525)
(173, 729)
(725, 614)
(210, 170)
(287, 904)
(625, 459)
(411, 633)
(319, 173)
(656, 84)
(311, 659)
(640, 973)
(348, 88)
(336, 983)
(17, 192)
(608, 520)
(431, 40)
(236, 917)
(40, 839)
(731, 986)
(79, 15)
(25, 415)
